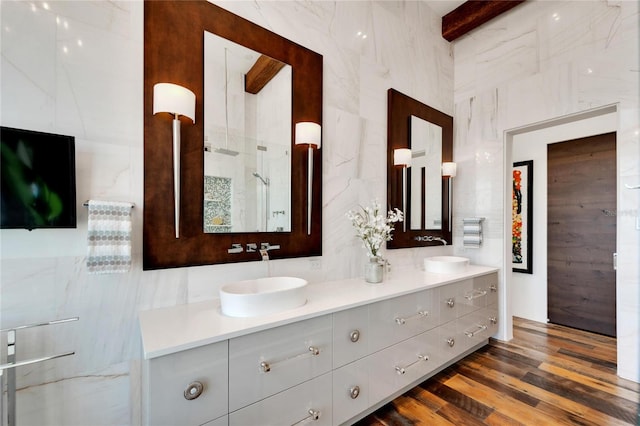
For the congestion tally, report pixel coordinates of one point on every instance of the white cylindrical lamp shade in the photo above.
(402, 157)
(308, 133)
(449, 169)
(174, 99)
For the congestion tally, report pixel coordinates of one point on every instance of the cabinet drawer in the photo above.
(474, 328)
(264, 363)
(489, 283)
(401, 364)
(472, 295)
(350, 390)
(294, 406)
(171, 377)
(400, 318)
(350, 335)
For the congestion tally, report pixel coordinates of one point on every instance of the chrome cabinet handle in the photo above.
(354, 336)
(401, 370)
(354, 392)
(493, 320)
(451, 302)
(451, 341)
(313, 415)
(477, 329)
(493, 288)
(474, 294)
(419, 314)
(193, 391)
(265, 366)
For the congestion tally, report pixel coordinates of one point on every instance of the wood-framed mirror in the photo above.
(174, 34)
(423, 192)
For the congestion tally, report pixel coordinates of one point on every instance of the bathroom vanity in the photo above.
(350, 349)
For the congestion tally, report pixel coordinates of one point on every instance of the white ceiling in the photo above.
(442, 7)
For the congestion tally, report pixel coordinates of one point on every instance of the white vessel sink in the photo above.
(445, 264)
(262, 296)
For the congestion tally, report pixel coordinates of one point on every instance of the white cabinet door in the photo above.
(306, 404)
(401, 364)
(350, 335)
(267, 362)
(199, 374)
(400, 318)
(350, 390)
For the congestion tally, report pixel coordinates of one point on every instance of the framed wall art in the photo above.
(522, 217)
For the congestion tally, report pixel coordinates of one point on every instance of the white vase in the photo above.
(374, 270)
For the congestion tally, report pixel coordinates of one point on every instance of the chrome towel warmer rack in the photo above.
(12, 364)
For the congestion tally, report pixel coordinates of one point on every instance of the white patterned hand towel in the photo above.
(109, 237)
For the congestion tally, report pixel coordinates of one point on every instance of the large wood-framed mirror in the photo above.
(174, 34)
(424, 193)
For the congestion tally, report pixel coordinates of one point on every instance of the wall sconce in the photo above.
(402, 157)
(449, 170)
(175, 100)
(309, 133)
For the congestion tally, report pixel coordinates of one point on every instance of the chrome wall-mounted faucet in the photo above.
(428, 238)
(235, 248)
(264, 249)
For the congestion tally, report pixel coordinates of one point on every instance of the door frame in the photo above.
(506, 309)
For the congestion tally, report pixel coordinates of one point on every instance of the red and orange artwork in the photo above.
(516, 228)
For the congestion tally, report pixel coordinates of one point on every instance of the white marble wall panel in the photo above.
(541, 61)
(94, 91)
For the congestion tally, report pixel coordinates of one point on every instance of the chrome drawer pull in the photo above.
(354, 336)
(401, 370)
(451, 302)
(493, 288)
(419, 314)
(265, 366)
(451, 341)
(493, 320)
(193, 391)
(474, 294)
(479, 328)
(354, 392)
(313, 415)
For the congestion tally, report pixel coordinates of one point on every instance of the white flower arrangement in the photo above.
(372, 227)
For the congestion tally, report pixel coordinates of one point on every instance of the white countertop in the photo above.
(168, 330)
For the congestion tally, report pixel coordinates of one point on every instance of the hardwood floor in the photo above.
(547, 375)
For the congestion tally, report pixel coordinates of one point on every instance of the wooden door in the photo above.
(581, 233)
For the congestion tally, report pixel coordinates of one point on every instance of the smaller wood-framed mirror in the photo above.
(418, 189)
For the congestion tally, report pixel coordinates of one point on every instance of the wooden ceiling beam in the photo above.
(471, 14)
(261, 73)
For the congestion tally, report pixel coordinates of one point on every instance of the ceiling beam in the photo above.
(471, 14)
(261, 73)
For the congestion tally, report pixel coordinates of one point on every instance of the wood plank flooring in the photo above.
(547, 375)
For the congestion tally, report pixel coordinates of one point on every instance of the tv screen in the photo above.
(38, 180)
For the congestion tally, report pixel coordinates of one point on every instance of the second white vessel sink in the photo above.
(445, 264)
(262, 296)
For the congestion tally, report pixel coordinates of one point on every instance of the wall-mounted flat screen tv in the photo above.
(38, 180)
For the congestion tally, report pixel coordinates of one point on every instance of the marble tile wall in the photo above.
(76, 68)
(540, 61)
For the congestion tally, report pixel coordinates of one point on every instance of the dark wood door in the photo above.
(581, 233)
